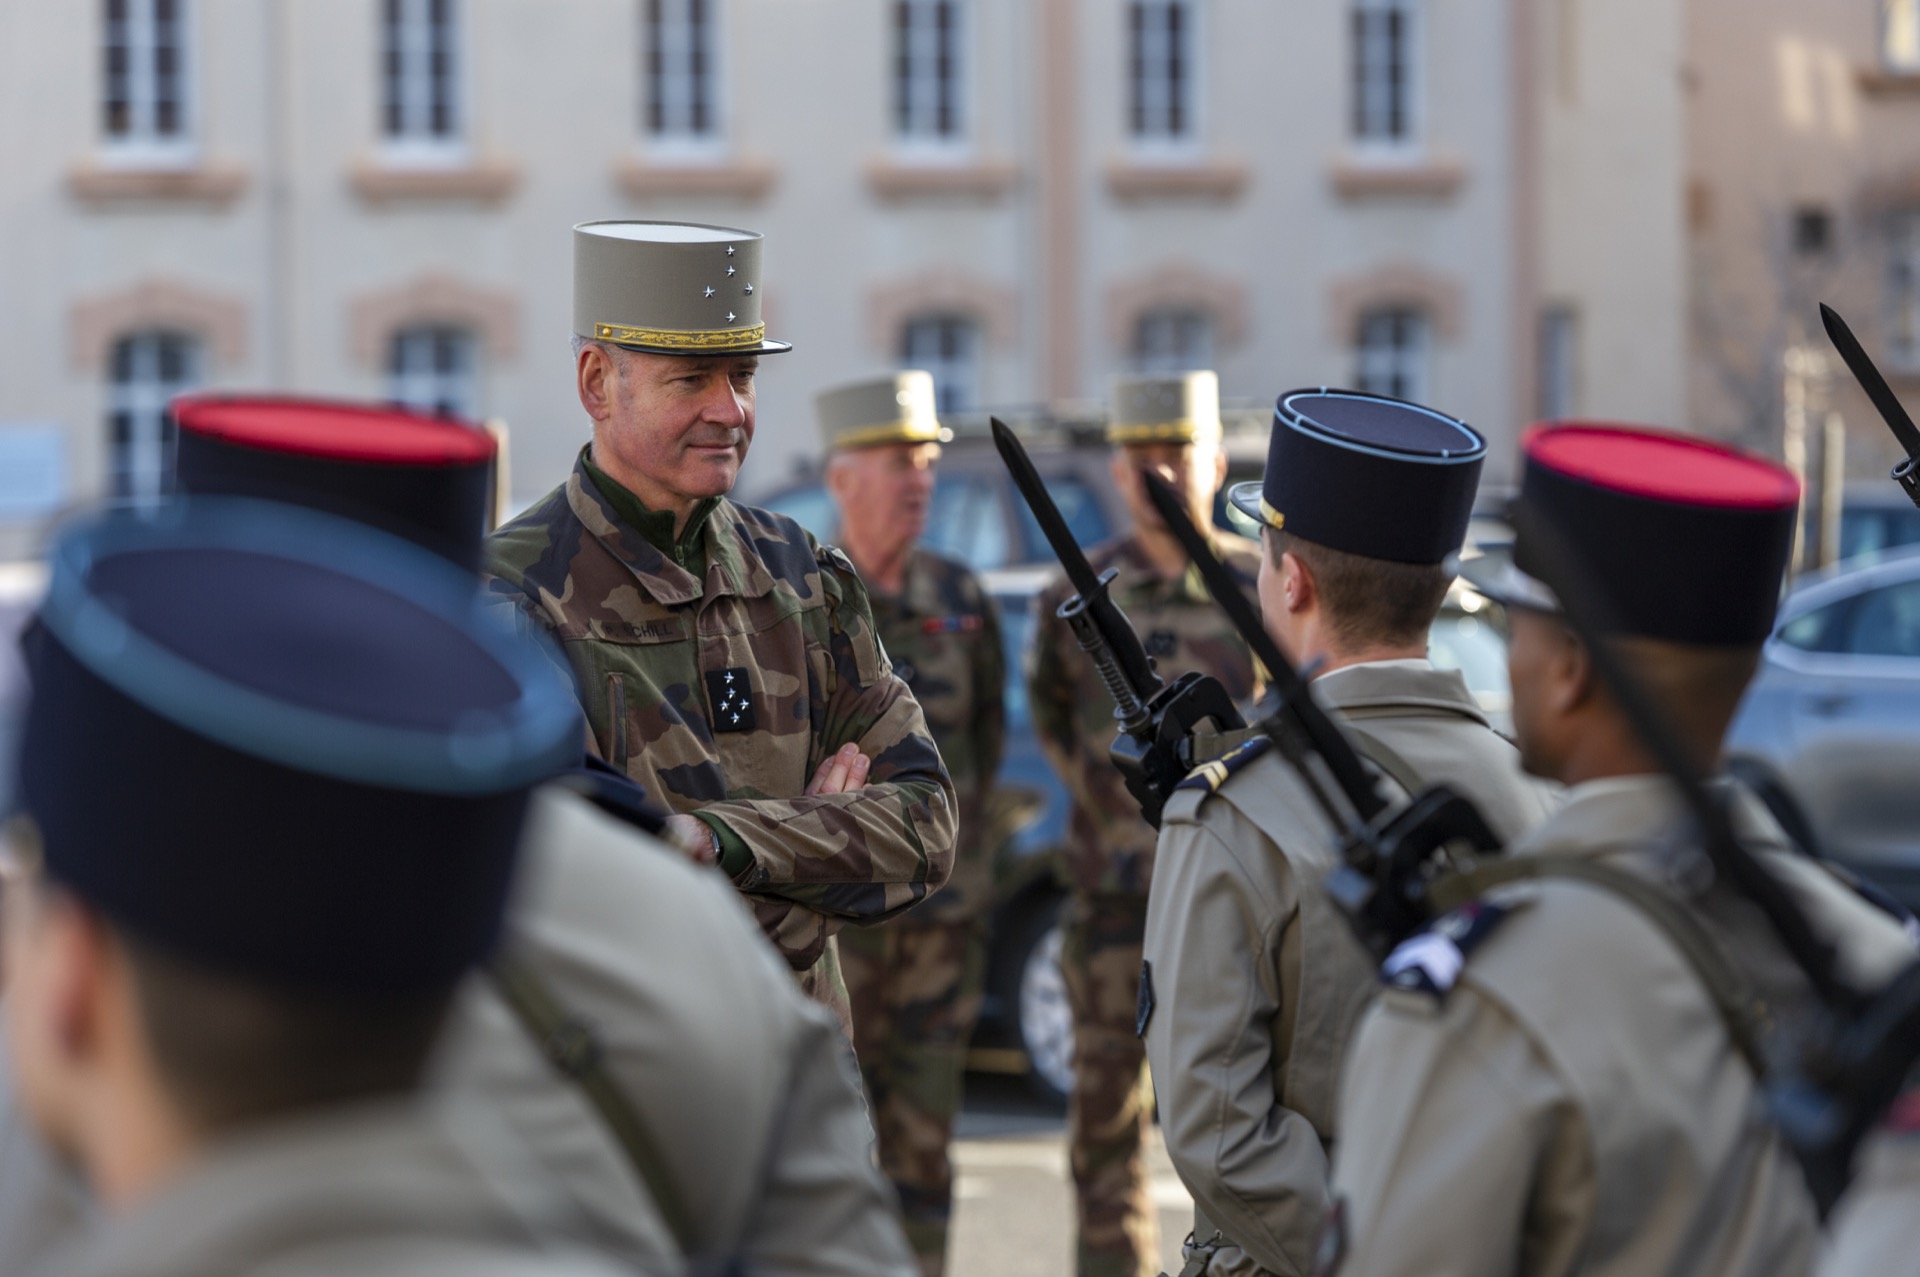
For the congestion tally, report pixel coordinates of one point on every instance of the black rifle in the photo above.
(1154, 750)
(1821, 1125)
(1391, 855)
(1907, 473)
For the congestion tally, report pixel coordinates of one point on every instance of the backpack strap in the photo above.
(1742, 1009)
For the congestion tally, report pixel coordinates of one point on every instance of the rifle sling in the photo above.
(572, 1046)
(1741, 1007)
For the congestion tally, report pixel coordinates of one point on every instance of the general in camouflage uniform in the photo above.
(1170, 425)
(1253, 979)
(722, 655)
(916, 982)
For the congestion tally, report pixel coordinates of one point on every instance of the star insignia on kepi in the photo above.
(731, 272)
(729, 317)
(709, 292)
(729, 250)
(730, 692)
(749, 290)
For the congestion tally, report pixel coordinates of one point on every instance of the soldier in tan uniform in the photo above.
(1547, 1083)
(916, 982)
(752, 1141)
(1252, 981)
(1170, 425)
(725, 659)
(227, 964)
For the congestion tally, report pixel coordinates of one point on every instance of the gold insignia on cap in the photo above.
(1274, 519)
(676, 339)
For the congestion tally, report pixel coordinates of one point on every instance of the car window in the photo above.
(1078, 506)
(968, 522)
(1471, 644)
(1821, 630)
(1016, 619)
(1886, 622)
(1869, 529)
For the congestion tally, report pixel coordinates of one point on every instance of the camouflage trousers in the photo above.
(1111, 1106)
(916, 989)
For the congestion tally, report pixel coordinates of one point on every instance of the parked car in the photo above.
(21, 585)
(1829, 733)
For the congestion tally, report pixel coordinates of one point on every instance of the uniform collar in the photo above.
(1397, 685)
(1139, 573)
(1644, 812)
(724, 536)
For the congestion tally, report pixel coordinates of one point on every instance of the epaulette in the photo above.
(835, 555)
(1210, 776)
(1431, 961)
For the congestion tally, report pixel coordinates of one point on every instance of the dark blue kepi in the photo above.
(283, 745)
(1373, 476)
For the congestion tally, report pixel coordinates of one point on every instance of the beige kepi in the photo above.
(670, 288)
(1180, 409)
(880, 410)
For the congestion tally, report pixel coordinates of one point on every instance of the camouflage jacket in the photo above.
(723, 695)
(1109, 846)
(944, 638)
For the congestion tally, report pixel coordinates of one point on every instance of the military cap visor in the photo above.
(670, 288)
(326, 743)
(1370, 475)
(1689, 539)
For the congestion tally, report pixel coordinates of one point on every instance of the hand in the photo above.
(843, 772)
(692, 837)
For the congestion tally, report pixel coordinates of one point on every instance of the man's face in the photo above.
(1195, 471)
(885, 493)
(675, 426)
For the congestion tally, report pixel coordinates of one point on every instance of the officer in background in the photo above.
(740, 1122)
(726, 660)
(1252, 980)
(916, 981)
(1172, 426)
(1560, 1075)
(229, 957)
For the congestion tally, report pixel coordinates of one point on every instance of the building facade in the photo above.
(1479, 203)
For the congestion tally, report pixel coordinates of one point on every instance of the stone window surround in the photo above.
(747, 178)
(893, 178)
(492, 315)
(1200, 177)
(1403, 284)
(217, 319)
(995, 307)
(1183, 285)
(1414, 176)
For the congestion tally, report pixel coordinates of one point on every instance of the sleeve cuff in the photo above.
(735, 856)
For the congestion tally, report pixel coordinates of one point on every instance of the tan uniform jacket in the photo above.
(382, 1190)
(1256, 981)
(747, 1087)
(1573, 1103)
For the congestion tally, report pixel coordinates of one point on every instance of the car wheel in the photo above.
(1042, 1012)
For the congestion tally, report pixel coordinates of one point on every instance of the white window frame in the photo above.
(414, 379)
(1903, 291)
(1164, 342)
(957, 373)
(1900, 36)
(1393, 352)
(913, 85)
(145, 459)
(141, 144)
(675, 139)
(416, 143)
(1369, 91)
(1154, 137)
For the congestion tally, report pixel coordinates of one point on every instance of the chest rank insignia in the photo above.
(1431, 961)
(1162, 643)
(1210, 776)
(730, 692)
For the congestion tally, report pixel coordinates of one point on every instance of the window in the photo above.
(420, 85)
(1559, 363)
(1393, 354)
(1385, 35)
(1900, 35)
(1173, 339)
(1812, 231)
(431, 368)
(927, 65)
(146, 74)
(1823, 630)
(680, 38)
(1903, 290)
(1886, 622)
(948, 346)
(148, 369)
(1162, 83)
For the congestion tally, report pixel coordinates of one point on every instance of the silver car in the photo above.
(1829, 732)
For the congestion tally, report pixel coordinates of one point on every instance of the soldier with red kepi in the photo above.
(1560, 1075)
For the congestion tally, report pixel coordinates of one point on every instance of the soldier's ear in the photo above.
(1297, 584)
(1576, 682)
(594, 377)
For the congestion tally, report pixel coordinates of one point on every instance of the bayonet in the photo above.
(1907, 473)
